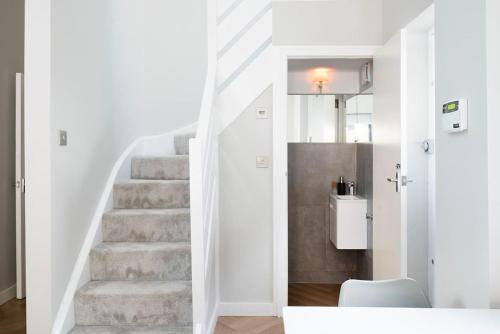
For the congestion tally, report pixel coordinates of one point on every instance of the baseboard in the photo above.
(246, 309)
(7, 294)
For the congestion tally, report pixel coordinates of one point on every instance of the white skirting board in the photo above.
(246, 309)
(7, 294)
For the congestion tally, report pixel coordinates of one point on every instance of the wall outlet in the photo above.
(262, 113)
(63, 138)
(262, 161)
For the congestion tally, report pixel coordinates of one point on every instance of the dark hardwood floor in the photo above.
(312, 294)
(13, 317)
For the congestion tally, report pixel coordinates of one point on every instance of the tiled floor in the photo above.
(13, 317)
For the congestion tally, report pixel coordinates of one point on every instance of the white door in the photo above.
(389, 160)
(20, 241)
(400, 163)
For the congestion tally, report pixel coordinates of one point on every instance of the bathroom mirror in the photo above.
(330, 118)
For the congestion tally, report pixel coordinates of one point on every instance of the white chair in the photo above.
(390, 293)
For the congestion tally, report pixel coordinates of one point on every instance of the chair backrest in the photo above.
(390, 293)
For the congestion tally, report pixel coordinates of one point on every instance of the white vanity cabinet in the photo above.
(348, 224)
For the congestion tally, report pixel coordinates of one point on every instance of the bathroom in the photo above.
(329, 130)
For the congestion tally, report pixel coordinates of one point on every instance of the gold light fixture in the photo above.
(320, 78)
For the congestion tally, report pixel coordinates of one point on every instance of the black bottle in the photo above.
(341, 187)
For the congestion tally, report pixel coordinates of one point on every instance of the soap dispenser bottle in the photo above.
(341, 187)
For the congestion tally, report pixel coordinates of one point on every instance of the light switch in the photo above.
(262, 113)
(262, 161)
(63, 138)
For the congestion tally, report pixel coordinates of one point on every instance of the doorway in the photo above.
(328, 139)
(12, 276)
(333, 127)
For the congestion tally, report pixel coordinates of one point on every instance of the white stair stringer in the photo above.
(245, 88)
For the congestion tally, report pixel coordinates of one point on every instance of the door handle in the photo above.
(396, 180)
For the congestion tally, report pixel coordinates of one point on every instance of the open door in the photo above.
(389, 160)
(20, 188)
(403, 135)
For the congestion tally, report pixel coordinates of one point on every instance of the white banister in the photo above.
(239, 69)
(203, 153)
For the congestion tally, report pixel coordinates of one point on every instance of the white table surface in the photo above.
(355, 320)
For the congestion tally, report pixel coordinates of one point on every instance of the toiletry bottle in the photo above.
(341, 187)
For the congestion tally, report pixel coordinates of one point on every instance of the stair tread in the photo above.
(148, 212)
(131, 330)
(131, 288)
(146, 181)
(141, 246)
(162, 157)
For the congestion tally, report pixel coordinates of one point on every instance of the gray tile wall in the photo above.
(364, 172)
(311, 169)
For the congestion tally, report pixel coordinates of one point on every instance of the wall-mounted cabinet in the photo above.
(348, 224)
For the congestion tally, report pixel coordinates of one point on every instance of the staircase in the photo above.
(141, 272)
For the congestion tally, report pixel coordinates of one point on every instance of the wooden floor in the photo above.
(299, 294)
(249, 325)
(13, 317)
(308, 294)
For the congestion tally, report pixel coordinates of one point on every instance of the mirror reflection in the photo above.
(330, 118)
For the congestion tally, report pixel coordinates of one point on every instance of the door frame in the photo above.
(19, 182)
(280, 153)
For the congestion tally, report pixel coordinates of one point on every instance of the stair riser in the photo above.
(151, 195)
(147, 228)
(171, 265)
(181, 143)
(152, 309)
(174, 168)
(131, 330)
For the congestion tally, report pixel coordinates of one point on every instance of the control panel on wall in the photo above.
(455, 115)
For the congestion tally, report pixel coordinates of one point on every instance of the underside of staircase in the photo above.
(141, 272)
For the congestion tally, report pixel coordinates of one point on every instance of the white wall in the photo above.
(11, 61)
(38, 166)
(342, 22)
(159, 64)
(246, 225)
(344, 75)
(398, 13)
(493, 73)
(462, 267)
(80, 104)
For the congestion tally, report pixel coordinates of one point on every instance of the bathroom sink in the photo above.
(349, 198)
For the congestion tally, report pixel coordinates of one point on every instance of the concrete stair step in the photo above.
(156, 261)
(161, 168)
(134, 303)
(151, 225)
(148, 194)
(131, 330)
(181, 143)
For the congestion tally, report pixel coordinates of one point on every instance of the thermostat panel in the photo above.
(455, 116)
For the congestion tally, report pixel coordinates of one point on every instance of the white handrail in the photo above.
(203, 153)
